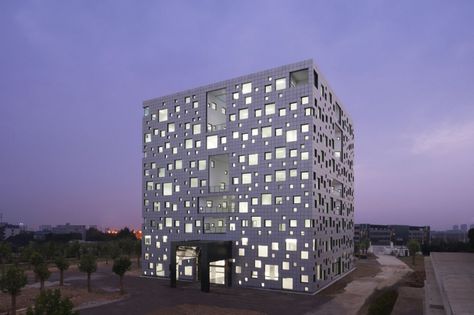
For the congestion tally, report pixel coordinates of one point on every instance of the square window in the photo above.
(270, 109)
(304, 100)
(246, 178)
(197, 129)
(266, 132)
(262, 251)
(235, 95)
(247, 88)
(243, 207)
(280, 84)
(253, 159)
(243, 113)
(291, 136)
(248, 100)
(167, 189)
(280, 176)
(212, 142)
(280, 153)
(266, 199)
(163, 115)
(268, 88)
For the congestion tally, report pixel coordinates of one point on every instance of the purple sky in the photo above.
(73, 75)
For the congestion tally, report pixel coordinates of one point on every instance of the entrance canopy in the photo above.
(207, 251)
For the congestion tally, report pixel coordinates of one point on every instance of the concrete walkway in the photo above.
(356, 292)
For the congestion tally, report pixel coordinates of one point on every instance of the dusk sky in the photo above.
(73, 75)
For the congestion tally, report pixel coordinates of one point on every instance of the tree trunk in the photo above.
(41, 284)
(13, 304)
(413, 257)
(61, 278)
(121, 285)
(89, 282)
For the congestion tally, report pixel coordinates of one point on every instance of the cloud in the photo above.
(448, 137)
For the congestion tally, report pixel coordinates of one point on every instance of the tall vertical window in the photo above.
(163, 115)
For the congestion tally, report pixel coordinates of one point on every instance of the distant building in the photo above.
(464, 227)
(61, 229)
(399, 235)
(449, 236)
(8, 230)
(455, 227)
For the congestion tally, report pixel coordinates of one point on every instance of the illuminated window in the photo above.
(266, 199)
(291, 244)
(147, 137)
(167, 189)
(280, 84)
(305, 128)
(280, 153)
(268, 88)
(253, 159)
(304, 100)
(146, 111)
(194, 182)
(257, 222)
(246, 178)
(243, 207)
(188, 228)
(247, 88)
(271, 272)
(266, 132)
(287, 283)
(212, 142)
(270, 109)
(262, 251)
(163, 115)
(243, 113)
(197, 129)
(291, 136)
(280, 176)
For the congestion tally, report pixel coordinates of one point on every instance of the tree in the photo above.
(5, 254)
(470, 235)
(35, 260)
(62, 264)
(413, 248)
(88, 264)
(138, 250)
(42, 273)
(125, 233)
(12, 282)
(120, 267)
(50, 303)
(364, 245)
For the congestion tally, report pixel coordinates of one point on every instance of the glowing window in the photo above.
(246, 178)
(270, 109)
(212, 142)
(266, 199)
(163, 115)
(280, 84)
(280, 153)
(291, 136)
(243, 207)
(253, 159)
(244, 113)
(247, 88)
(280, 176)
(291, 244)
(262, 251)
(266, 132)
(167, 189)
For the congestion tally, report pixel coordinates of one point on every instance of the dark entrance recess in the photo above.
(207, 251)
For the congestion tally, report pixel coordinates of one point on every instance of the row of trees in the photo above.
(14, 279)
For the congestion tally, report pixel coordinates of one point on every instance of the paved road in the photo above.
(357, 291)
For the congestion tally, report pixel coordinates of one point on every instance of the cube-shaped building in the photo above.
(249, 182)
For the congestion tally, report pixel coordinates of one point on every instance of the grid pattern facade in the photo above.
(265, 161)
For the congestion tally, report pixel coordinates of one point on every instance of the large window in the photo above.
(291, 135)
(280, 153)
(291, 244)
(163, 115)
(212, 142)
(247, 88)
(271, 272)
(280, 84)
